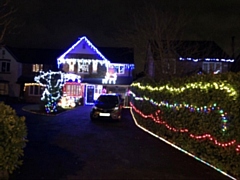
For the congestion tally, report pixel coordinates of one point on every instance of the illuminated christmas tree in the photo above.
(53, 83)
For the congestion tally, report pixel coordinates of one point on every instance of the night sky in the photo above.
(59, 23)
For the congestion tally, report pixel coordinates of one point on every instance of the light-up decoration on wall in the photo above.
(94, 66)
(191, 108)
(30, 84)
(111, 76)
(62, 60)
(206, 59)
(72, 77)
(71, 63)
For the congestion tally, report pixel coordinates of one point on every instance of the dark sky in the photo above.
(59, 23)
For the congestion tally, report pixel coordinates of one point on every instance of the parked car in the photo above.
(107, 106)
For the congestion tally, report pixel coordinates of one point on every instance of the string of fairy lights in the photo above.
(182, 150)
(221, 85)
(202, 109)
(156, 119)
(205, 109)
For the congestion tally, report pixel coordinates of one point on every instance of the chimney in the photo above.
(233, 46)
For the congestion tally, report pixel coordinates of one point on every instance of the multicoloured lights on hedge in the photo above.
(223, 86)
(182, 150)
(191, 108)
(156, 119)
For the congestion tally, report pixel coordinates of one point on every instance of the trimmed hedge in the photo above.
(204, 105)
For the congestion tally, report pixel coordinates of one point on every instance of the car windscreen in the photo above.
(108, 99)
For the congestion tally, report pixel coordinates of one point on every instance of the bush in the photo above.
(12, 140)
(206, 104)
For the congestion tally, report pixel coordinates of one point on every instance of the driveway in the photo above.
(70, 146)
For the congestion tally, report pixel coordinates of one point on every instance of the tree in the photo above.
(53, 83)
(160, 28)
(6, 18)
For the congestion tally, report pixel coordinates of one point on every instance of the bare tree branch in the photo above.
(159, 27)
(6, 18)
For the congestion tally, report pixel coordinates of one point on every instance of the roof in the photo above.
(26, 79)
(49, 56)
(35, 55)
(192, 50)
(118, 54)
(84, 48)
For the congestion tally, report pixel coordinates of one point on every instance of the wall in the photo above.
(15, 72)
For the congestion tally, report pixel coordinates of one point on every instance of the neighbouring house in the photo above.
(32, 61)
(10, 71)
(236, 65)
(102, 70)
(184, 58)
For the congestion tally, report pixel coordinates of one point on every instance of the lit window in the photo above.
(212, 67)
(35, 90)
(37, 67)
(3, 89)
(119, 69)
(83, 67)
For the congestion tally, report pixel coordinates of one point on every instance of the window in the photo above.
(73, 90)
(5, 66)
(212, 67)
(119, 69)
(83, 67)
(3, 89)
(169, 66)
(94, 66)
(37, 67)
(35, 90)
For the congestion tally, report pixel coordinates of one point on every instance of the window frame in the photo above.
(37, 67)
(7, 63)
(83, 64)
(4, 88)
(33, 91)
(208, 65)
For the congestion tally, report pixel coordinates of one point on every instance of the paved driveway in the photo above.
(70, 146)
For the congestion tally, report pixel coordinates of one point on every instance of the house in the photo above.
(183, 58)
(88, 71)
(10, 71)
(102, 70)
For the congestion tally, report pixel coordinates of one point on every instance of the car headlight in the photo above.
(95, 107)
(116, 108)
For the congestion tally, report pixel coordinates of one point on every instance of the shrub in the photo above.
(12, 140)
(206, 104)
